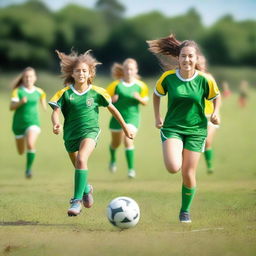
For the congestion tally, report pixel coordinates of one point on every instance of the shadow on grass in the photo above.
(30, 223)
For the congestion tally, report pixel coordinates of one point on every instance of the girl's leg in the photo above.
(172, 153)
(116, 139)
(72, 156)
(20, 145)
(31, 138)
(208, 153)
(129, 154)
(189, 166)
(81, 164)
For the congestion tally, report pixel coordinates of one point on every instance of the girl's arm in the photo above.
(112, 109)
(215, 117)
(15, 105)
(158, 118)
(43, 103)
(140, 99)
(57, 127)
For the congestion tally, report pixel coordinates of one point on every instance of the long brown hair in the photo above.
(168, 49)
(117, 70)
(18, 81)
(69, 62)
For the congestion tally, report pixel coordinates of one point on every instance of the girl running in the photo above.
(184, 130)
(79, 103)
(26, 124)
(127, 93)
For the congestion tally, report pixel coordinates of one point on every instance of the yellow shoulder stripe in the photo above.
(15, 94)
(112, 87)
(58, 94)
(42, 93)
(102, 92)
(144, 89)
(159, 87)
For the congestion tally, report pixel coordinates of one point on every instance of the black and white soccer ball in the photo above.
(123, 212)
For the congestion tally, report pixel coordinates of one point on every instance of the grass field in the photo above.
(33, 220)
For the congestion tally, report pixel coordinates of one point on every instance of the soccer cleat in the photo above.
(131, 174)
(112, 167)
(28, 174)
(75, 208)
(210, 171)
(185, 217)
(88, 198)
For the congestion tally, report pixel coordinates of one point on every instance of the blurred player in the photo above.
(26, 125)
(127, 93)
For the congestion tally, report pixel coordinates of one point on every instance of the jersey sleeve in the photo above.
(144, 90)
(42, 93)
(160, 88)
(104, 99)
(15, 95)
(208, 107)
(213, 89)
(111, 88)
(57, 100)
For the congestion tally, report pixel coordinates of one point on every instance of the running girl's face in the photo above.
(130, 70)
(81, 73)
(29, 78)
(188, 58)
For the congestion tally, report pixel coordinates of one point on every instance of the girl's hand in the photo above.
(115, 98)
(24, 100)
(136, 95)
(129, 133)
(215, 118)
(159, 123)
(57, 128)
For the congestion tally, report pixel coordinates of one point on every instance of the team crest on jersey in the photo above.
(89, 102)
(71, 97)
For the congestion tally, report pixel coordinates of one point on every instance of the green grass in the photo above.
(33, 218)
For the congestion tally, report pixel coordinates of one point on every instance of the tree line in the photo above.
(30, 32)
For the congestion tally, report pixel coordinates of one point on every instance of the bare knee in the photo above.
(115, 144)
(189, 179)
(171, 168)
(81, 162)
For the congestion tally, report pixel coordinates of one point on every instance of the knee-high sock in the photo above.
(81, 177)
(129, 154)
(208, 155)
(112, 154)
(30, 159)
(187, 198)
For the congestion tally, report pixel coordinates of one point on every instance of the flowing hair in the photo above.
(19, 79)
(69, 62)
(117, 70)
(168, 49)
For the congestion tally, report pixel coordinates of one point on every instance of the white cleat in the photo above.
(112, 167)
(131, 174)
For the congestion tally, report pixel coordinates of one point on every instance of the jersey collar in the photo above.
(128, 84)
(183, 79)
(80, 93)
(28, 90)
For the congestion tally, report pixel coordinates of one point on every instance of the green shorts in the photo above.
(73, 145)
(115, 126)
(190, 142)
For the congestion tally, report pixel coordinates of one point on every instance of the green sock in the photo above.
(112, 155)
(30, 159)
(129, 154)
(80, 183)
(187, 198)
(208, 155)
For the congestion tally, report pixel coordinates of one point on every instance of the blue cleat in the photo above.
(185, 217)
(75, 208)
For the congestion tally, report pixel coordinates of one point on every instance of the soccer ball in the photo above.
(123, 212)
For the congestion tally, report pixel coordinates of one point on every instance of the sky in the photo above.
(209, 10)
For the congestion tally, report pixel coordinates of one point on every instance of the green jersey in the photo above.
(27, 114)
(80, 110)
(186, 101)
(127, 105)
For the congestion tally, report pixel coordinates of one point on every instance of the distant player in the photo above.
(127, 92)
(211, 129)
(184, 130)
(26, 125)
(243, 93)
(79, 103)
